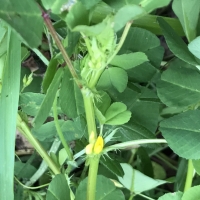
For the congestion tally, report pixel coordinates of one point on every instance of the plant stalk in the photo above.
(24, 129)
(189, 177)
(61, 48)
(92, 177)
(59, 131)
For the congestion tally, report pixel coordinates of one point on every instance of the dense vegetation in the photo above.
(107, 95)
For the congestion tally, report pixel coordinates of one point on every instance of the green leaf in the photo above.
(24, 170)
(196, 164)
(49, 74)
(117, 114)
(138, 104)
(192, 193)
(179, 85)
(48, 100)
(54, 5)
(101, 106)
(144, 161)
(182, 133)
(114, 167)
(134, 180)
(77, 15)
(8, 111)
(30, 102)
(105, 190)
(89, 4)
(134, 131)
(58, 189)
(71, 100)
(128, 61)
(172, 196)
(26, 14)
(188, 14)
(71, 130)
(127, 13)
(139, 40)
(194, 47)
(176, 44)
(113, 76)
(151, 5)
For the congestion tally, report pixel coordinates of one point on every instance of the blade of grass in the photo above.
(8, 113)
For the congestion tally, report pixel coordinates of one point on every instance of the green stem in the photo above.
(92, 132)
(97, 75)
(24, 129)
(121, 42)
(90, 117)
(189, 177)
(61, 48)
(59, 131)
(92, 177)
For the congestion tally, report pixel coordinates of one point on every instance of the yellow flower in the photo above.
(98, 146)
(89, 149)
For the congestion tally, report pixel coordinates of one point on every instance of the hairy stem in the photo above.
(61, 48)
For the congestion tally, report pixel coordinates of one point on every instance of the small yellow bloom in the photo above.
(89, 149)
(98, 146)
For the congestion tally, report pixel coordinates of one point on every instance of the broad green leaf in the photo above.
(89, 4)
(48, 100)
(188, 14)
(113, 76)
(24, 170)
(137, 182)
(134, 131)
(150, 5)
(144, 161)
(127, 13)
(105, 190)
(58, 188)
(128, 61)
(71, 101)
(148, 22)
(151, 108)
(192, 193)
(139, 40)
(194, 47)
(196, 164)
(11, 65)
(142, 73)
(182, 133)
(117, 114)
(138, 104)
(26, 14)
(54, 5)
(179, 85)
(77, 15)
(159, 171)
(49, 74)
(114, 167)
(30, 102)
(71, 130)
(176, 44)
(172, 196)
